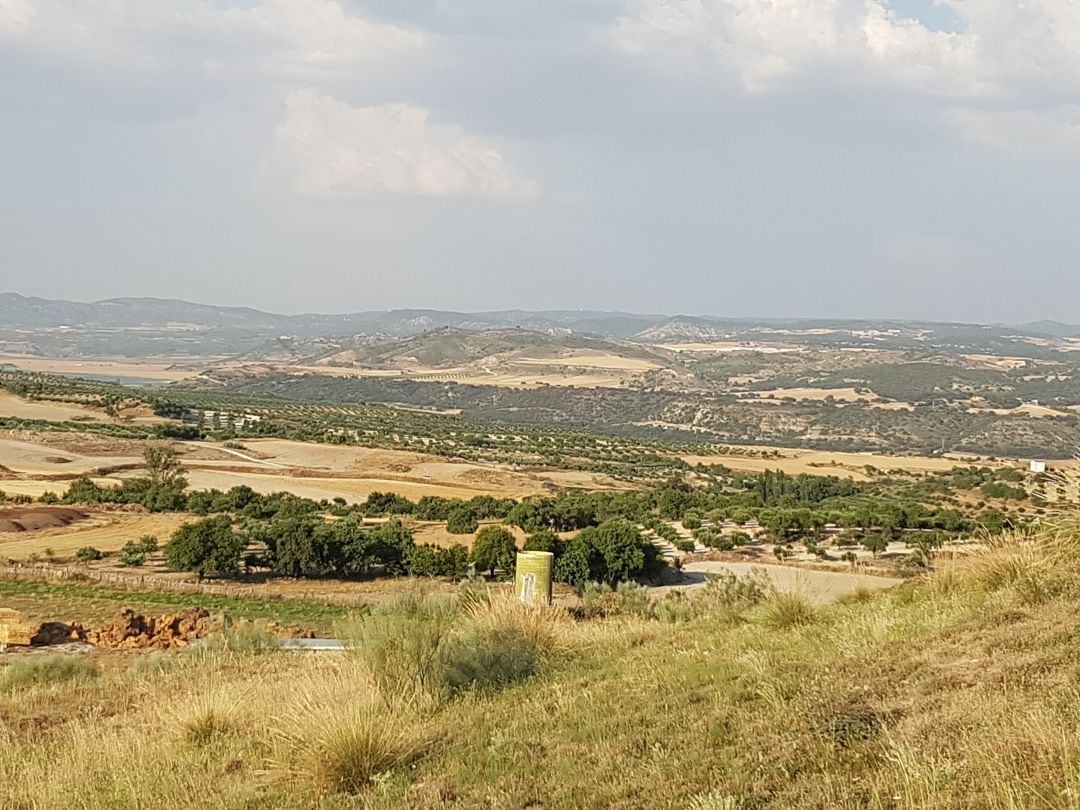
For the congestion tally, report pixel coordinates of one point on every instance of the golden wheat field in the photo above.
(104, 530)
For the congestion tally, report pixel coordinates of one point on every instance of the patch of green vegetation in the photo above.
(319, 617)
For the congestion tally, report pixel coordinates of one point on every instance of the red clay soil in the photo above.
(128, 631)
(34, 518)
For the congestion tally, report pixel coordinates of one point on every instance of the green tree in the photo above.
(207, 546)
(300, 546)
(545, 540)
(580, 562)
(163, 467)
(461, 521)
(493, 549)
(623, 549)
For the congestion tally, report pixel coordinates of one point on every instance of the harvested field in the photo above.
(845, 465)
(122, 368)
(1029, 409)
(721, 347)
(34, 462)
(353, 472)
(435, 533)
(15, 407)
(819, 394)
(352, 490)
(46, 457)
(586, 359)
(105, 531)
(517, 374)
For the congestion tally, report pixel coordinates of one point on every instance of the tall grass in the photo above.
(1035, 564)
(400, 644)
(919, 697)
(46, 671)
(784, 611)
(337, 738)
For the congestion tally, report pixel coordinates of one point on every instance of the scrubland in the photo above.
(954, 690)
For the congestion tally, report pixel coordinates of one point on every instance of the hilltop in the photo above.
(151, 326)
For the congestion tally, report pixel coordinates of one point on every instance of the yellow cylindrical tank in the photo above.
(532, 580)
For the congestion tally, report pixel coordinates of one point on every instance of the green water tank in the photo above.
(532, 581)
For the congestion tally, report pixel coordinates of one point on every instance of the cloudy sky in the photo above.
(908, 158)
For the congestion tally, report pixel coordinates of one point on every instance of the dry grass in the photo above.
(845, 465)
(338, 736)
(105, 531)
(954, 692)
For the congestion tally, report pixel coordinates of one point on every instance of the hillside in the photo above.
(955, 691)
(134, 326)
(457, 347)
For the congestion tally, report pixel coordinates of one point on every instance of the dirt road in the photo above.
(818, 587)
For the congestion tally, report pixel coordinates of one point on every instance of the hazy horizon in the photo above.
(749, 317)
(905, 160)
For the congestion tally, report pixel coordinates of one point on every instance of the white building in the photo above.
(1037, 466)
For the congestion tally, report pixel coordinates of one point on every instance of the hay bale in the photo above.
(14, 629)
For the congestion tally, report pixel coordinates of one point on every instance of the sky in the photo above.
(826, 158)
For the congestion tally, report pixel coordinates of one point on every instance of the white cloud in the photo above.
(15, 17)
(336, 151)
(768, 45)
(307, 39)
(1013, 66)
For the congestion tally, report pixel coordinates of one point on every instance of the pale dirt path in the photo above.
(261, 461)
(818, 587)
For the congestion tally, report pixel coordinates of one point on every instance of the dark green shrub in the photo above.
(88, 554)
(489, 660)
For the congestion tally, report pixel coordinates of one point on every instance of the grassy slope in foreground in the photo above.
(958, 691)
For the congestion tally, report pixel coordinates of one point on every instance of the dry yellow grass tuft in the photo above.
(339, 735)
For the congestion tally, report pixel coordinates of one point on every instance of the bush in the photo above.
(47, 671)
(612, 552)
(135, 552)
(208, 546)
(241, 639)
(545, 540)
(627, 599)
(88, 554)
(674, 608)
(488, 661)
(787, 610)
(691, 520)
(731, 594)
(431, 561)
(400, 644)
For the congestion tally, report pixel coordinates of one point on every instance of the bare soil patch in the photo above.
(35, 518)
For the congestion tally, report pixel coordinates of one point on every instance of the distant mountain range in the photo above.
(161, 326)
(25, 312)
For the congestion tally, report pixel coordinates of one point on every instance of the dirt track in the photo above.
(818, 587)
